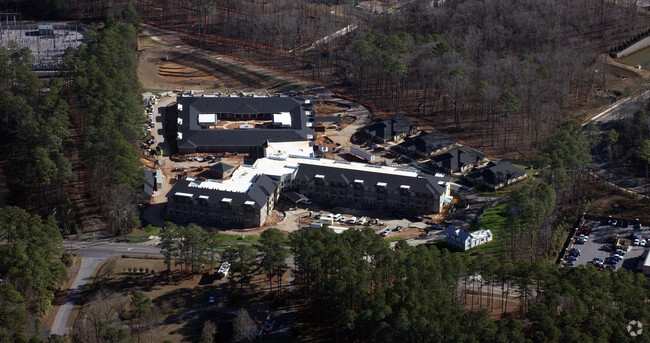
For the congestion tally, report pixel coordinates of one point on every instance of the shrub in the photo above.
(67, 259)
(152, 271)
(130, 269)
(141, 269)
(146, 270)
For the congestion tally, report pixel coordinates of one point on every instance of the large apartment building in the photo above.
(248, 124)
(390, 189)
(252, 191)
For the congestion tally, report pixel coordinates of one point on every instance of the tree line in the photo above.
(192, 248)
(363, 291)
(34, 132)
(628, 141)
(31, 270)
(105, 87)
(503, 74)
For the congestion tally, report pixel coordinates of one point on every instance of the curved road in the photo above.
(92, 255)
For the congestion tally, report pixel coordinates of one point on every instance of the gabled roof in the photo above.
(421, 182)
(428, 142)
(390, 127)
(245, 108)
(257, 194)
(148, 183)
(457, 158)
(497, 172)
(454, 231)
(222, 167)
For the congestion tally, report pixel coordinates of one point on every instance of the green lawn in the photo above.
(494, 220)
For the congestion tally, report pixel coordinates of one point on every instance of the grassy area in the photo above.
(494, 220)
(394, 239)
(529, 171)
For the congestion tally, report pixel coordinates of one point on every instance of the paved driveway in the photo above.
(88, 265)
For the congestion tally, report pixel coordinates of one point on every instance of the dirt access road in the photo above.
(165, 62)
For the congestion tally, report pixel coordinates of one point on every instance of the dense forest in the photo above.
(31, 270)
(97, 96)
(500, 74)
(628, 141)
(363, 291)
(105, 90)
(352, 287)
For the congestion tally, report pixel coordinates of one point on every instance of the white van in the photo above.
(362, 220)
(337, 217)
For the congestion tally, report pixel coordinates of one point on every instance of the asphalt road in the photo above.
(92, 255)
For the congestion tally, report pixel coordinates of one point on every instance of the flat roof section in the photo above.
(207, 118)
(283, 119)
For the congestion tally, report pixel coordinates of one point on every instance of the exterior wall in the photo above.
(199, 211)
(361, 196)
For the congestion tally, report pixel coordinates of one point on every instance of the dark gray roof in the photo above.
(222, 167)
(295, 196)
(391, 127)
(332, 119)
(497, 172)
(259, 192)
(428, 142)
(195, 136)
(457, 158)
(422, 184)
(148, 183)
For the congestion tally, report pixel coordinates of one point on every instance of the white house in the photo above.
(464, 240)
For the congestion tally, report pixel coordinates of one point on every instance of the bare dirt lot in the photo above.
(162, 67)
(619, 205)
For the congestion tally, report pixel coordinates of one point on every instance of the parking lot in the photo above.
(593, 246)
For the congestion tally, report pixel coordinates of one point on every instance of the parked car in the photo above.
(597, 260)
(574, 253)
(336, 217)
(569, 263)
(211, 300)
(317, 216)
(385, 233)
(620, 251)
(352, 220)
(362, 220)
(581, 241)
(343, 219)
(606, 247)
(571, 258)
